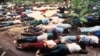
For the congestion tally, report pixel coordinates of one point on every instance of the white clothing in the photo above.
(93, 39)
(63, 25)
(90, 29)
(8, 13)
(73, 47)
(35, 14)
(42, 37)
(84, 38)
(1, 7)
(17, 22)
(49, 27)
(65, 39)
(59, 29)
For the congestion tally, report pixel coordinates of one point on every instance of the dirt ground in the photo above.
(7, 37)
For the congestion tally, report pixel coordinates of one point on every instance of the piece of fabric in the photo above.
(27, 39)
(73, 47)
(63, 25)
(42, 37)
(27, 11)
(97, 33)
(38, 45)
(84, 39)
(50, 35)
(93, 39)
(45, 21)
(90, 29)
(59, 29)
(36, 22)
(65, 39)
(59, 50)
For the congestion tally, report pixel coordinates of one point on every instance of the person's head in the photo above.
(55, 34)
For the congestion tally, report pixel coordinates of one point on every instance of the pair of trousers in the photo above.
(37, 22)
(37, 45)
(27, 39)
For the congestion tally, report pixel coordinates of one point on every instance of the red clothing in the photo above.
(34, 45)
(44, 10)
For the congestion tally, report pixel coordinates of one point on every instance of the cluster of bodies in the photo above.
(52, 33)
(56, 39)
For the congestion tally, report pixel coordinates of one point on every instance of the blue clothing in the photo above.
(33, 38)
(27, 11)
(8, 23)
(59, 15)
(14, 14)
(59, 29)
(97, 33)
(85, 40)
(90, 18)
(69, 39)
(1, 12)
(45, 21)
(27, 39)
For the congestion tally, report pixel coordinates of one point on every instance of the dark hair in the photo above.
(50, 19)
(55, 35)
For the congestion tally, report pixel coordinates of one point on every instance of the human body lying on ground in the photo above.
(83, 40)
(47, 32)
(8, 23)
(55, 50)
(94, 30)
(44, 21)
(56, 20)
(89, 29)
(59, 28)
(92, 21)
(42, 37)
(39, 45)
(65, 49)
(32, 31)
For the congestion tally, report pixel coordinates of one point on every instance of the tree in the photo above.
(80, 8)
